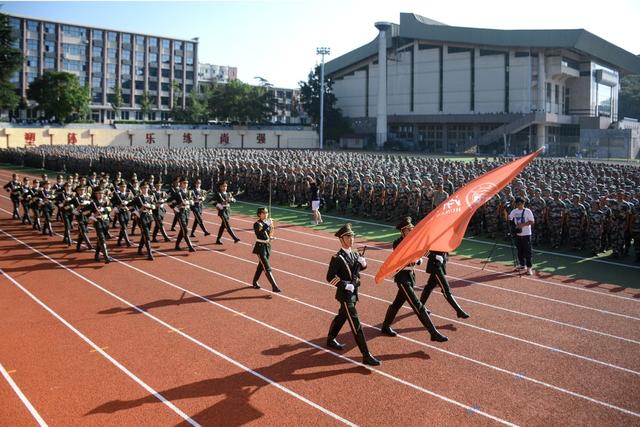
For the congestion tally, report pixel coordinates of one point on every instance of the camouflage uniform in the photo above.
(576, 217)
(555, 219)
(538, 208)
(595, 229)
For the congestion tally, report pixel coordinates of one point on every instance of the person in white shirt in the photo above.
(523, 219)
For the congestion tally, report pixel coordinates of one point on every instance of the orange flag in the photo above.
(443, 229)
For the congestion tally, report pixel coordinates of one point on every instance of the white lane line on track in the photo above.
(468, 239)
(554, 349)
(23, 398)
(598, 310)
(104, 354)
(533, 316)
(294, 337)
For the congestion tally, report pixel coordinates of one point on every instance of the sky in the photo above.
(277, 39)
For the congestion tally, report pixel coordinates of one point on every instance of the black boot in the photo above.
(367, 358)
(334, 330)
(459, 311)
(256, 276)
(219, 239)
(426, 321)
(272, 280)
(388, 319)
(107, 258)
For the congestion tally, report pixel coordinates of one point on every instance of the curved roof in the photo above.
(415, 27)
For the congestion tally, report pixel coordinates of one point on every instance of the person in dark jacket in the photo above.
(406, 281)
(437, 268)
(344, 274)
(263, 228)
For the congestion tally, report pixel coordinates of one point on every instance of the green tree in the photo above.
(10, 61)
(197, 107)
(629, 105)
(118, 102)
(145, 105)
(240, 102)
(335, 124)
(59, 95)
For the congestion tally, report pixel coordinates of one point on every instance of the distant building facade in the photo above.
(452, 89)
(166, 68)
(210, 73)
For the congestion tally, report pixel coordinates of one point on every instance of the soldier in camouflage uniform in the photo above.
(620, 218)
(595, 228)
(342, 194)
(555, 219)
(439, 195)
(414, 199)
(367, 195)
(635, 227)
(426, 198)
(355, 192)
(576, 220)
(328, 192)
(391, 197)
(402, 201)
(538, 207)
(379, 197)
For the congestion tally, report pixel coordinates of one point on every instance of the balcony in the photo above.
(558, 68)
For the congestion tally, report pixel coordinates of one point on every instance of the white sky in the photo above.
(277, 39)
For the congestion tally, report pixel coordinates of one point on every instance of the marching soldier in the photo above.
(160, 200)
(25, 199)
(263, 228)
(79, 203)
(180, 203)
(437, 268)
(198, 195)
(175, 186)
(13, 187)
(223, 200)
(344, 274)
(65, 207)
(99, 210)
(35, 203)
(406, 281)
(120, 200)
(144, 207)
(57, 189)
(46, 197)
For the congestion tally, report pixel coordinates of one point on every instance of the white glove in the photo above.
(362, 261)
(176, 209)
(419, 261)
(219, 206)
(439, 258)
(233, 200)
(268, 221)
(349, 287)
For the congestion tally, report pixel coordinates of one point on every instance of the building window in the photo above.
(153, 42)
(140, 41)
(49, 63)
(164, 101)
(164, 87)
(139, 84)
(166, 59)
(549, 93)
(165, 44)
(153, 71)
(32, 61)
(74, 49)
(97, 98)
(96, 82)
(189, 47)
(178, 59)
(97, 51)
(177, 45)
(111, 68)
(557, 95)
(70, 65)
(126, 38)
(139, 71)
(14, 23)
(166, 72)
(190, 75)
(112, 37)
(124, 115)
(139, 115)
(32, 26)
(73, 31)
(97, 34)
(189, 60)
(139, 56)
(153, 57)
(126, 69)
(96, 67)
(153, 85)
(111, 85)
(32, 44)
(111, 52)
(126, 83)
(126, 54)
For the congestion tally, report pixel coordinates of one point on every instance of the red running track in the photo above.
(214, 351)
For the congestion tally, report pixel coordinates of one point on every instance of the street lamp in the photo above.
(322, 51)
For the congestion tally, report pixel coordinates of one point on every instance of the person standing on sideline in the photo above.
(263, 229)
(523, 220)
(344, 274)
(406, 281)
(314, 195)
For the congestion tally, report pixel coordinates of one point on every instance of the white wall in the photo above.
(489, 83)
(457, 82)
(399, 84)
(426, 83)
(520, 94)
(351, 90)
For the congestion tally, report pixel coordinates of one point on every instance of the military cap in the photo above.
(345, 230)
(79, 187)
(404, 223)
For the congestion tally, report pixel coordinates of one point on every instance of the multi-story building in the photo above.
(165, 68)
(443, 88)
(287, 108)
(211, 74)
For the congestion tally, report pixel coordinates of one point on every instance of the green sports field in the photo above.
(575, 266)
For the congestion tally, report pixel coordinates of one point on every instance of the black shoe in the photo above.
(438, 337)
(332, 343)
(178, 248)
(276, 289)
(236, 240)
(386, 330)
(256, 285)
(368, 359)
(173, 229)
(191, 249)
(150, 257)
(206, 233)
(218, 242)
(192, 235)
(462, 314)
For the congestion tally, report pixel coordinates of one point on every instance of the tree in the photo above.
(335, 124)
(630, 97)
(59, 95)
(118, 102)
(240, 102)
(145, 105)
(197, 107)
(11, 60)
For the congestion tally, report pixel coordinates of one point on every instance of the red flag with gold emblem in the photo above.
(443, 229)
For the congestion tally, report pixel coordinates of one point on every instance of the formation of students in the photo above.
(108, 204)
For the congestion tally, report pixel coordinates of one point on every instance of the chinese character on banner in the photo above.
(151, 139)
(224, 138)
(30, 138)
(186, 138)
(261, 138)
(72, 139)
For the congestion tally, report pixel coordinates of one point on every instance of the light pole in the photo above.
(322, 51)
